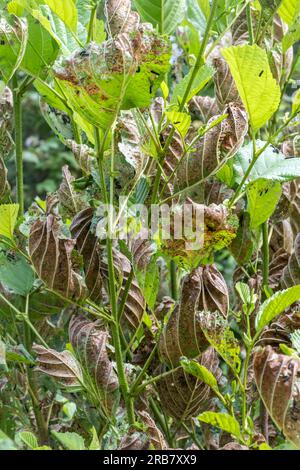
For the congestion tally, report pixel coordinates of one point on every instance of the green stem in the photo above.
(115, 327)
(173, 279)
(249, 23)
(19, 144)
(197, 66)
(41, 423)
(266, 254)
(91, 27)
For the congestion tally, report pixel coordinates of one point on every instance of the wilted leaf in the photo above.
(203, 108)
(6, 126)
(120, 18)
(155, 436)
(226, 90)
(182, 396)
(90, 342)
(62, 366)
(277, 380)
(51, 255)
(242, 246)
(257, 88)
(3, 179)
(203, 290)
(291, 272)
(70, 201)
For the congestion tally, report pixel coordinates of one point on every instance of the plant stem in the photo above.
(249, 23)
(197, 66)
(115, 326)
(266, 254)
(173, 279)
(19, 144)
(41, 423)
(91, 27)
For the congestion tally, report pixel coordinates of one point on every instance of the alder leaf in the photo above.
(29, 439)
(13, 40)
(275, 305)
(288, 10)
(257, 88)
(222, 421)
(8, 219)
(69, 440)
(263, 197)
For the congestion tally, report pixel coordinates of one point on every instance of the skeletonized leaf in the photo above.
(60, 365)
(277, 380)
(51, 255)
(157, 440)
(3, 179)
(122, 73)
(6, 122)
(70, 201)
(120, 17)
(257, 88)
(183, 396)
(203, 290)
(90, 342)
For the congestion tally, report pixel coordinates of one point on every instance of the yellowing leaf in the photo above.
(65, 10)
(263, 196)
(254, 80)
(288, 10)
(221, 420)
(181, 121)
(8, 219)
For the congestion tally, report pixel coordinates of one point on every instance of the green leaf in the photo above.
(181, 121)
(66, 10)
(263, 196)
(296, 102)
(50, 96)
(271, 164)
(16, 274)
(3, 365)
(95, 443)
(276, 305)
(254, 80)
(288, 10)
(19, 354)
(292, 36)
(222, 421)
(41, 50)
(8, 219)
(6, 443)
(202, 78)
(205, 7)
(165, 14)
(69, 440)
(13, 40)
(244, 292)
(200, 372)
(29, 439)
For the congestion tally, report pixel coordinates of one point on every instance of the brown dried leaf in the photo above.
(84, 155)
(242, 246)
(89, 248)
(3, 179)
(203, 108)
(219, 144)
(70, 201)
(182, 396)
(51, 256)
(204, 290)
(90, 342)
(60, 365)
(134, 440)
(291, 273)
(156, 437)
(120, 18)
(225, 88)
(6, 122)
(280, 330)
(277, 379)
